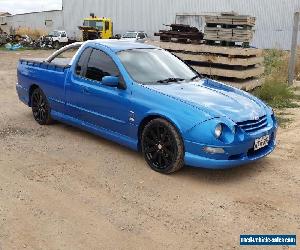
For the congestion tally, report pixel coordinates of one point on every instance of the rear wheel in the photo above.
(40, 107)
(162, 146)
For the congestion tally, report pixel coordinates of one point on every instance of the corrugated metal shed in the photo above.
(274, 17)
(46, 20)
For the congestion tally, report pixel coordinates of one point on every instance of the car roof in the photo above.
(120, 45)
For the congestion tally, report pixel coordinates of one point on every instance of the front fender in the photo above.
(182, 125)
(147, 103)
(204, 132)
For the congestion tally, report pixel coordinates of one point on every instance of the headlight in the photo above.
(218, 130)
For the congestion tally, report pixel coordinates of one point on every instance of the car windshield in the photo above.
(155, 66)
(130, 35)
(54, 33)
(93, 23)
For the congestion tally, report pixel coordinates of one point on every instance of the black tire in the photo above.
(56, 45)
(40, 107)
(85, 36)
(162, 146)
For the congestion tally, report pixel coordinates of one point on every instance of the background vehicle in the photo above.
(96, 28)
(135, 36)
(147, 99)
(57, 38)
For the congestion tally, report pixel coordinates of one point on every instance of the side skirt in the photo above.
(107, 134)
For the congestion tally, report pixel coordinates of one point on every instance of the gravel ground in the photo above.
(63, 188)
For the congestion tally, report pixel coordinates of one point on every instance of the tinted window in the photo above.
(83, 58)
(100, 65)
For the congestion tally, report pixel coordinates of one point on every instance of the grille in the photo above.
(251, 126)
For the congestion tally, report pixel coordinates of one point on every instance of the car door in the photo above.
(94, 103)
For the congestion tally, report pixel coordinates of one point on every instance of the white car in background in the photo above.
(59, 38)
(135, 36)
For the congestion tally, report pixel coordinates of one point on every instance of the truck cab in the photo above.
(96, 28)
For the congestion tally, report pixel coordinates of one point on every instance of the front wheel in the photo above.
(162, 146)
(56, 45)
(40, 107)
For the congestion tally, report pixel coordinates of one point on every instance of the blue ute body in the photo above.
(194, 108)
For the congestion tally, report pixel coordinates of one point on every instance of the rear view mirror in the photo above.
(111, 81)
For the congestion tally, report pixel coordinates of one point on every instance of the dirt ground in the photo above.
(63, 188)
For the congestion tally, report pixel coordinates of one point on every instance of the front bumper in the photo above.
(235, 154)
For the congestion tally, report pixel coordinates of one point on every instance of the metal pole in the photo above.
(292, 62)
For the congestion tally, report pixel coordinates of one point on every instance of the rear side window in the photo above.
(82, 61)
(100, 65)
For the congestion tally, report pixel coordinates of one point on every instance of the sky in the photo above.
(24, 6)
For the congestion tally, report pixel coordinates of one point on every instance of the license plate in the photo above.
(261, 142)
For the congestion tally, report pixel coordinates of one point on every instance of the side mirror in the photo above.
(111, 81)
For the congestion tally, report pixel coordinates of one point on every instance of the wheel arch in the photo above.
(151, 117)
(31, 89)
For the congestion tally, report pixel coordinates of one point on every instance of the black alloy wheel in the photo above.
(40, 107)
(162, 146)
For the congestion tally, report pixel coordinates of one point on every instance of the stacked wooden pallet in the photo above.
(237, 66)
(231, 19)
(231, 35)
(229, 27)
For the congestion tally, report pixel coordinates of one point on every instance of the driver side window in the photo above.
(100, 65)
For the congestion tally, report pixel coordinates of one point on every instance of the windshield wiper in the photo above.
(171, 79)
(195, 77)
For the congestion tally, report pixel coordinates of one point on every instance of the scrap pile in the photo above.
(13, 42)
(180, 33)
(3, 37)
(229, 29)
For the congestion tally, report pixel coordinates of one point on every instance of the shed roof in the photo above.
(5, 14)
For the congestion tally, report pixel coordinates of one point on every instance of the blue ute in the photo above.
(145, 98)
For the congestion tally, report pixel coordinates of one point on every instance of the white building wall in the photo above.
(273, 26)
(46, 20)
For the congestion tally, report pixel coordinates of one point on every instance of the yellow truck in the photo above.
(96, 28)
